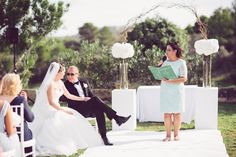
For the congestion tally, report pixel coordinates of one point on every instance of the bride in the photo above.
(59, 130)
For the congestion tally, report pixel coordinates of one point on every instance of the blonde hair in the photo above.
(10, 84)
(74, 68)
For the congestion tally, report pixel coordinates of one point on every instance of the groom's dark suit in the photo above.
(94, 107)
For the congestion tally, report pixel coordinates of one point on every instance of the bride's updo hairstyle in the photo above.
(62, 68)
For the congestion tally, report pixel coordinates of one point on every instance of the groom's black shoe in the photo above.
(121, 120)
(106, 141)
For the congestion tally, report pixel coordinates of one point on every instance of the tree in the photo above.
(156, 32)
(88, 32)
(72, 44)
(196, 28)
(221, 26)
(96, 64)
(48, 50)
(149, 39)
(34, 19)
(105, 36)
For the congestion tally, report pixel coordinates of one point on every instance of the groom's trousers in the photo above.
(95, 107)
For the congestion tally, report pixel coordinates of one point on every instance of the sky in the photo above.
(118, 12)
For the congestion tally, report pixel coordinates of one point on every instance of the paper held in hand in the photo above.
(162, 72)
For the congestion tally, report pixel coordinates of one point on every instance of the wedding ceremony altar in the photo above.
(203, 141)
(201, 105)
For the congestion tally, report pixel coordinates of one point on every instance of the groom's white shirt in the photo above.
(79, 89)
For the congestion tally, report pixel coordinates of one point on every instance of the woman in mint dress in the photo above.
(172, 95)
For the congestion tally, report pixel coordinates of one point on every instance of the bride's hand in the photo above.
(68, 112)
(86, 98)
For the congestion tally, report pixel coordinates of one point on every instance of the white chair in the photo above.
(95, 122)
(10, 153)
(19, 109)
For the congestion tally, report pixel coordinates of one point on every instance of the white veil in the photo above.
(41, 107)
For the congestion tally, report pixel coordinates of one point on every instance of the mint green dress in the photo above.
(172, 96)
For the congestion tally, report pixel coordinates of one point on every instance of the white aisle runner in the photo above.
(193, 143)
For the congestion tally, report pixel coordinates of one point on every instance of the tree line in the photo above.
(90, 49)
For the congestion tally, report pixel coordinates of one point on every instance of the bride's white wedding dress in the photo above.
(58, 133)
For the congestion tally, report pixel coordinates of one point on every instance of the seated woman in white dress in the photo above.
(59, 130)
(8, 137)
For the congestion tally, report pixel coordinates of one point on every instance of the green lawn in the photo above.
(226, 124)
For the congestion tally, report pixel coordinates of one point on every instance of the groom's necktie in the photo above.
(76, 82)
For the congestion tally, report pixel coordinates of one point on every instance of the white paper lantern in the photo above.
(206, 46)
(124, 50)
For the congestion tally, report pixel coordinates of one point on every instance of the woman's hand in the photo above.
(160, 64)
(24, 94)
(167, 80)
(175, 81)
(68, 112)
(87, 98)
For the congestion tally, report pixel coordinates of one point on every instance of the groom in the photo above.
(94, 107)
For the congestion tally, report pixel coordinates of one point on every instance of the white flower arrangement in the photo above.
(85, 85)
(124, 50)
(206, 46)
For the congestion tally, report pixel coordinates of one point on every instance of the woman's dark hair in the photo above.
(176, 47)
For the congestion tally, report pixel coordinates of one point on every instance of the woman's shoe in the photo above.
(167, 139)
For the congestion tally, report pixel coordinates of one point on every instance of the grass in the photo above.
(159, 126)
(226, 124)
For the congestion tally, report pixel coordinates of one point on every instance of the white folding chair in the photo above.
(10, 153)
(19, 109)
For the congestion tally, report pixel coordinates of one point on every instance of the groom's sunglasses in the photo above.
(70, 74)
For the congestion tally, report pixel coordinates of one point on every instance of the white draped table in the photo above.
(124, 103)
(148, 104)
